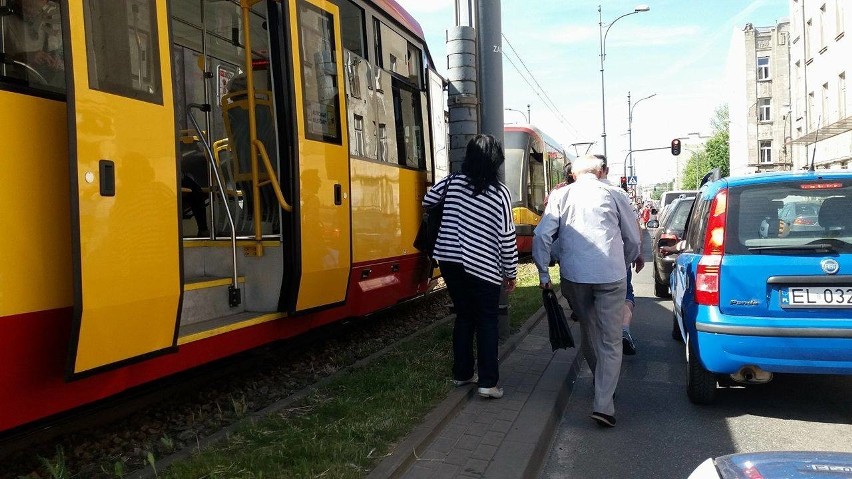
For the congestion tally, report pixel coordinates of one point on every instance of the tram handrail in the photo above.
(268, 165)
(221, 187)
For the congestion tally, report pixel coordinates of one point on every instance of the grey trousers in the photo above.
(599, 307)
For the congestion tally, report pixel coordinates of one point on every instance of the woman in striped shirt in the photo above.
(478, 255)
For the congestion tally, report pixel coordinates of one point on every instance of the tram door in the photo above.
(323, 154)
(125, 241)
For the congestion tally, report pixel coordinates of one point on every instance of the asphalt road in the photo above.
(660, 434)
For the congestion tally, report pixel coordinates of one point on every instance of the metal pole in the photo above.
(529, 117)
(630, 138)
(490, 59)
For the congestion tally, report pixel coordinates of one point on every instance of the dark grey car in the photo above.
(669, 231)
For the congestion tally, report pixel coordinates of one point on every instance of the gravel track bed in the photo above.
(260, 379)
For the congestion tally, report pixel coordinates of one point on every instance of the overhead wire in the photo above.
(545, 98)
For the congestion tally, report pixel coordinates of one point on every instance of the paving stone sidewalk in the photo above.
(468, 436)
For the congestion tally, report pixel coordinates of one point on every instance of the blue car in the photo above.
(751, 298)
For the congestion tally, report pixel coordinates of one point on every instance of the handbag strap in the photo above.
(447, 188)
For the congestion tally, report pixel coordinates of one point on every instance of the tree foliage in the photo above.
(715, 153)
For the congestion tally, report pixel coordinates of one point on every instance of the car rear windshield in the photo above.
(677, 218)
(812, 215)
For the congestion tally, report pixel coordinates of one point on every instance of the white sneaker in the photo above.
(461, 382)
(493, 393)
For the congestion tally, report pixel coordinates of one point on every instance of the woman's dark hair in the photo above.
(482, 161)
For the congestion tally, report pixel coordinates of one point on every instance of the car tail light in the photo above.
(804, 221)
(710, 264)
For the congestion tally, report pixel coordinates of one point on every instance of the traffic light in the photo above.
(624, 183)
(675, 147)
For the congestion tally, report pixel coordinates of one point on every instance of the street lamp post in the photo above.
(602, 37)
(630, 132)
(526, 118)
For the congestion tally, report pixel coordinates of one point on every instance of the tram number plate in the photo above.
(816, 297)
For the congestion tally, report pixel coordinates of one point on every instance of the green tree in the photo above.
(714, 154)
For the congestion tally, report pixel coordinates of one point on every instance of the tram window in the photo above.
(122, 46)
(31, 39)
(319, 75)
(352, 28)
(409, 126)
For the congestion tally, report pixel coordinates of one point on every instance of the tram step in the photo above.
(206, 297)
(217, 325)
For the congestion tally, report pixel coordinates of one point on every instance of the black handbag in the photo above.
(430, 224)
(559, 332)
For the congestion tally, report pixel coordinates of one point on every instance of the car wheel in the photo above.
(700, 383)
(676, 329)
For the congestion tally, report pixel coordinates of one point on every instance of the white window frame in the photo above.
(839, 11)
(765, 151)
(841, 95)
(763, 72)
(764, 109)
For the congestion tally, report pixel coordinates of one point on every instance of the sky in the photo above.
(677, 50)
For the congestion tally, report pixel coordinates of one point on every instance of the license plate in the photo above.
(816, 297)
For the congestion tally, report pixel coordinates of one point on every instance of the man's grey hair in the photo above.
(589, 164)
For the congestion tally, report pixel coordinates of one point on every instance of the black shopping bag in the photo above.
(560, 333)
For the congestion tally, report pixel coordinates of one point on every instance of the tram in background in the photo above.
(189, 179)
(534, 164)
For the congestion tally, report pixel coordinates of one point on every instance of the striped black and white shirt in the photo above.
(476, 231)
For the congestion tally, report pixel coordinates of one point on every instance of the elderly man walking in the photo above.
(597, 235)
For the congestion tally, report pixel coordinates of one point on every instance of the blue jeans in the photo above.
(476, 302)
(630, 296)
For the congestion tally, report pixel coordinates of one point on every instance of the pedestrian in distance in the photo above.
(598, 235)
(477, 252)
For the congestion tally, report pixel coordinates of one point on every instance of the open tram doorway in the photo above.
(209, 64)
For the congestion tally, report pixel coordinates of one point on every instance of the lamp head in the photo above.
(641, 8)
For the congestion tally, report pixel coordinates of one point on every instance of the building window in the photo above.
(383, 142)
(811, 113)
(838, 15)
(763, 109)
(841, 95)
(809, 39)
(822, 27)
(765, 151)
(358, 142)
(763, 68)
(825, 107)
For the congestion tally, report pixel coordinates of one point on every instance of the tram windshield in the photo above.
(517, 144)
(31, 53)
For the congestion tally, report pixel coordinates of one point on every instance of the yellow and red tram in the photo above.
(534, 164)
(188, 179)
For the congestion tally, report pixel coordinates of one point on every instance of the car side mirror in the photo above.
(652, 224)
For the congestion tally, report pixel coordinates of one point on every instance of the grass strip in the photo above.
(343, 430)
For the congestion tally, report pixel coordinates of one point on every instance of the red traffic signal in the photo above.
(675, 147)
(624, 183)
